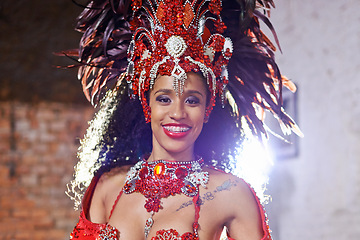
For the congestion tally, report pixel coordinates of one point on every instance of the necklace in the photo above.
(161, 179)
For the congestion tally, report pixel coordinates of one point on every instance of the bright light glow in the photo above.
(253, 164)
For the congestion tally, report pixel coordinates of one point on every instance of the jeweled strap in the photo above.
(197, 215)
(115, 203)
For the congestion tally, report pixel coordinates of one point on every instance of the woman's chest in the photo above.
(178, 213)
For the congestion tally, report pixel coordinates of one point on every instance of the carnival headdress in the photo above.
(172, 40)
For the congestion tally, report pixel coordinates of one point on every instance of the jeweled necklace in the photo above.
(161, 179)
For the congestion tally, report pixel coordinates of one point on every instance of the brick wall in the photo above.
(38, 146)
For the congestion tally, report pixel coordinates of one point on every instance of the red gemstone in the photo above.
(143, 172)
(159, 169)
(181, 173)
(127, 187)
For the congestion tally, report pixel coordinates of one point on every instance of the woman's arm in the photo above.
(248, 220)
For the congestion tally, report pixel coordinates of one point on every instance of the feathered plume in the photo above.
(255, 81)
(103, 46)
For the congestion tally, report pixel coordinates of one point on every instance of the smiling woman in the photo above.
(155, 157)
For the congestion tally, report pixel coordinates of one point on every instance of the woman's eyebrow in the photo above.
(194, 92)
(169, 91)
(164, 90)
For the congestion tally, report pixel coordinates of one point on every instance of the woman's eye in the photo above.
(163, 99)
(192, 100)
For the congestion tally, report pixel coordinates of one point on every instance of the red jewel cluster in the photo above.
(158, 184)
(172, 234)
(215, 7)
(87, 230)
(109, 233)
(176, 17)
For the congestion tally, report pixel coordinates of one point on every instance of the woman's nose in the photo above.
(177, 111)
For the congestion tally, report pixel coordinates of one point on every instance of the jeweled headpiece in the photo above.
(171, 37)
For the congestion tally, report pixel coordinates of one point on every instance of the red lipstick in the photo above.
(174, 130)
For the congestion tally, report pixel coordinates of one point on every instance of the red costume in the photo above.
(87, 230)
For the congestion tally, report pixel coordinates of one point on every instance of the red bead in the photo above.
(190, 188)
(143, 172)
(127, 187)
(181, 173)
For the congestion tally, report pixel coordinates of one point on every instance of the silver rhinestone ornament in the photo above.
(175, 46)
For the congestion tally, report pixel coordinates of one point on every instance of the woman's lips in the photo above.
(176, 130)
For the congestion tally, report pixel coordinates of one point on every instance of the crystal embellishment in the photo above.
(161, 179)
(175, 46)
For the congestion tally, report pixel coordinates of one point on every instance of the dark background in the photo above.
(30, 32)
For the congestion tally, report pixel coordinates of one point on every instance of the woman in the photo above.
(161, 177)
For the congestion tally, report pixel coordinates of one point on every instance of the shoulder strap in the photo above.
(116, 201)
(196, 201)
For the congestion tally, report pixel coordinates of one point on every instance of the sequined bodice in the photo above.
(87, 230)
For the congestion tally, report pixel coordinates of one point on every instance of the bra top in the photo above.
(87, 230)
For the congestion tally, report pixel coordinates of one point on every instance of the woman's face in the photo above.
(176, 121)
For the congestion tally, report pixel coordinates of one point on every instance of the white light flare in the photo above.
(253, 164)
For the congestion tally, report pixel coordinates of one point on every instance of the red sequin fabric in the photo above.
(173, 235)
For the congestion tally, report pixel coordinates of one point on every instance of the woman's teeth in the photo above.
(176, 128)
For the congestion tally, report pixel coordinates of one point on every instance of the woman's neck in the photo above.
(162, 154)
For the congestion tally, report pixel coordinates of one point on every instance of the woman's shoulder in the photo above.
(105, 193)
(113, 178)
(110, 184)
(223, 181)
(232, 191)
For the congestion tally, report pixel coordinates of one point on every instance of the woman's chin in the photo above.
(176, 148)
